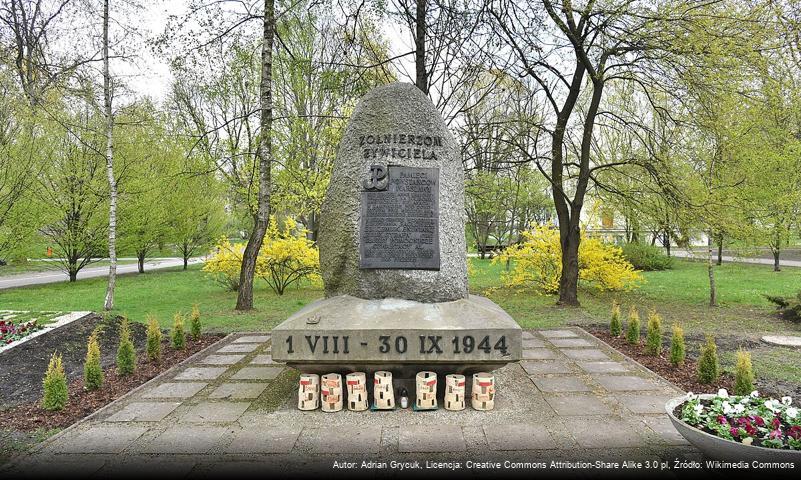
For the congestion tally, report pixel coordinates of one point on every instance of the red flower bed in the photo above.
(11, 332)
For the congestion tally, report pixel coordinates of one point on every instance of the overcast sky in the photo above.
(150, 76)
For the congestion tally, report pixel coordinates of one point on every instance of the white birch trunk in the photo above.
(112, 183)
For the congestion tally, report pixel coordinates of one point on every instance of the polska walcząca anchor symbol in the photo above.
(377, 178)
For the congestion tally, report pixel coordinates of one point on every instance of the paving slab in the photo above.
(212, 412)
(264, 360)
(585, 354)
(533, 343)
(577, 405)
(239, 348)
(174, 390)
(431, 438)
(238, 391)
(542, 404)
(363, 439)
(518, 437)
(201, 373)
(603, 367)
(645, 404)
(539, 354)
(558, 333)
(783, 340)
(561, 384)
(100, 439)
(215, 359)
(603, 432)
(257, 373)
(252, 339)
(144, 412)
(259, 439)
(544, 367)
(571, 342)
(663, 427)
(624, 383)
(195, 439)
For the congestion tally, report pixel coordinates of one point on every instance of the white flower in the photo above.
(791, 412)
(727, 408)
(787, 401)
(691, 396)
(722, 393)
(772, 405)
(739, 408)
(699, 408)
(745, 400)
(755, 394)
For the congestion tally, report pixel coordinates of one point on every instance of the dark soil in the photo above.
(30, 416)
(685, 376)
(24, 366)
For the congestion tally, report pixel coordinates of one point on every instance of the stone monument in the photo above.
(393, 255)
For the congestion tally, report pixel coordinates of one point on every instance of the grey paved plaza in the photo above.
(572, 398)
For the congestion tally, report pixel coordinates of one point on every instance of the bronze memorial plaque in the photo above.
(399, 225)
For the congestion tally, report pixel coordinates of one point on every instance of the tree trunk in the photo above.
(720, 253)
(421, 77)
(73, 275)
(776, 263)
(140, 261)
(186, 261)
(568, 281)
(713, 292)
(244, 299)
(108, 304)
(667, 242)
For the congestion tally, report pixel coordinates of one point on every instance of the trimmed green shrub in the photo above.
(126, 353)
(646, 257)
(633, 330)
(55, 385)
(178, 336)
(194, 323)
(743, 374)
(92, 370)
(708, 363)
(677, 348)
(615, 326)
(153, 339)
(653, 336)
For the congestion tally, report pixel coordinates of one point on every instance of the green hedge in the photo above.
(646, 257)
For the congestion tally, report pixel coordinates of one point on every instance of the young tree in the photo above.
(71, 194)
(108, 303)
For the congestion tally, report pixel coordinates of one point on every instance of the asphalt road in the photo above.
(23, 279)
(703, 254)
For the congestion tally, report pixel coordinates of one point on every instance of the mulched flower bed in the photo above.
(685, 376)
(31, 416)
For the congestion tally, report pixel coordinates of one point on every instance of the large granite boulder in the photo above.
(395, 126)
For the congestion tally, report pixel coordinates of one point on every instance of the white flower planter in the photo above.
(717, 448)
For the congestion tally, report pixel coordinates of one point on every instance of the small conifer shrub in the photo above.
(55, 385)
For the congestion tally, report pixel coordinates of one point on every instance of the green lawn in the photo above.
(680, 295)
(162, 293)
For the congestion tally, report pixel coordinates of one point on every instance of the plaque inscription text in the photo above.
(399, 225)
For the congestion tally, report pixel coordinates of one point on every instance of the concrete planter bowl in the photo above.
(717, 448)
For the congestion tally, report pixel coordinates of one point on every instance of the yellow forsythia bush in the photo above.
(537, 262)
(225, 263)
(286, 257)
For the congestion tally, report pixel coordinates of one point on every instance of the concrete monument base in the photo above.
(403, 336)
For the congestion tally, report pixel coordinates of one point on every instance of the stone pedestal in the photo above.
(346, 333)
